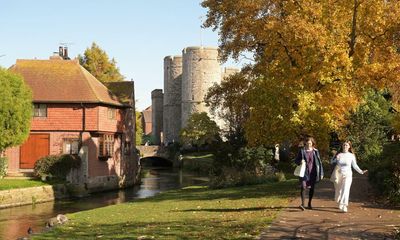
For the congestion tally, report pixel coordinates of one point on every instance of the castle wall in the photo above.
(200, 70)
(157, 115)
(172, 98)
(226, 72)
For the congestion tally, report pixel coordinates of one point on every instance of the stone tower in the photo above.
(200, 70)
(172, 98)
(157, 115)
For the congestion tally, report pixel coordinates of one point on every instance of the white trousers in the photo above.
(342, 188)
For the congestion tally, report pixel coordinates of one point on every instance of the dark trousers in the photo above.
(310, 195)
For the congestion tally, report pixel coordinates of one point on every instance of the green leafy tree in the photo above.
(200, 130)
(96, 61)
(369, 126)
(139, 129)
(228, 102)
(311, 61)
(15, 109)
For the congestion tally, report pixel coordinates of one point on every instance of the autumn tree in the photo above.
(312, 60)
(96, 61)
(200, 130)
(15, 109)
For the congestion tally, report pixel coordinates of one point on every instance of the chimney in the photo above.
(60, 51)
(65, 55)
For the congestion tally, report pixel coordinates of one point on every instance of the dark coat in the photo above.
(317, 164)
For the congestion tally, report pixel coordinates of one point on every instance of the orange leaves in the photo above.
(313, 59)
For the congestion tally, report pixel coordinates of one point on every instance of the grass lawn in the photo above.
(189, 213)
(6, 184)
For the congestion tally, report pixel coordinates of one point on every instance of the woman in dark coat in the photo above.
(314, 171)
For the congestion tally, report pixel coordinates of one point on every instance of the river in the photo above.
(14, 222)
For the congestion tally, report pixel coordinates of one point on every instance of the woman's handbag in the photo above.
(300, 169)
(335, 175)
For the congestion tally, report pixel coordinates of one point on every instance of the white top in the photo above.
(347, 160)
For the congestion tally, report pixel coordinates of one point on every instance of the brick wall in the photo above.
(110, 125)
(103, 168)
(59, 117)
(68, 117)
(57, 141)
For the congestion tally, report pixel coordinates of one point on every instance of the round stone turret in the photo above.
(157, 115)
(172, 98)
(201, 69)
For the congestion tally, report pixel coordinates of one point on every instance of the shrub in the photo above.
(234, 167)
(232, 177)
(384, 172)
(3, 167)
(56, 166)
(255, 160)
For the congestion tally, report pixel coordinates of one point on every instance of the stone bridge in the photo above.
(152, 151)
(155, 156)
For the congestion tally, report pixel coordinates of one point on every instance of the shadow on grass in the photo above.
(278, 189)
(231, 209)
(195, 229)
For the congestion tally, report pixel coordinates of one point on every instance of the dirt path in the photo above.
(364, 219)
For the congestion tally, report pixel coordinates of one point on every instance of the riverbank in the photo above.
(7, 184)
(189, 213)
(19, 192)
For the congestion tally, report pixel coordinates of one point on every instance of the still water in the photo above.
(14, 222)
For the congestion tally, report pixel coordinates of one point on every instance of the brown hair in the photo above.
(310, 139)
(351, 147)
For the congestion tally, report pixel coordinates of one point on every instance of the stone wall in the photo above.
(226, 72)
(172, 98)
(26, 196)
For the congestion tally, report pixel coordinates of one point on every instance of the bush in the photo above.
(56, 166)
(3, 167)
(234, 167)
(254, 160)
(232, 177)
(384, 172)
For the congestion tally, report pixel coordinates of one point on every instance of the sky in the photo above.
(138, 34)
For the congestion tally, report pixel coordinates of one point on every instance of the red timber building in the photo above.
(74, 113)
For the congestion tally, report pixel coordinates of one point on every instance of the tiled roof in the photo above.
(123, 90)
(63, 81)
(147, 115)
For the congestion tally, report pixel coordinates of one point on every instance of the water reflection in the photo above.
(14, 222)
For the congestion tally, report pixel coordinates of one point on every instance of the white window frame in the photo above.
(39, 110)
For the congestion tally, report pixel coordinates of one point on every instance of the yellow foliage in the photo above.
(313, 60)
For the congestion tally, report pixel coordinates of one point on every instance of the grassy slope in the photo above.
(191, 213)
(6, 184)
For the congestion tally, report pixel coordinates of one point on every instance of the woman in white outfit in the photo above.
(344, 161)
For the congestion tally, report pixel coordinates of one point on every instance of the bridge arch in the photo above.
(155, 162)
(154, 156)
